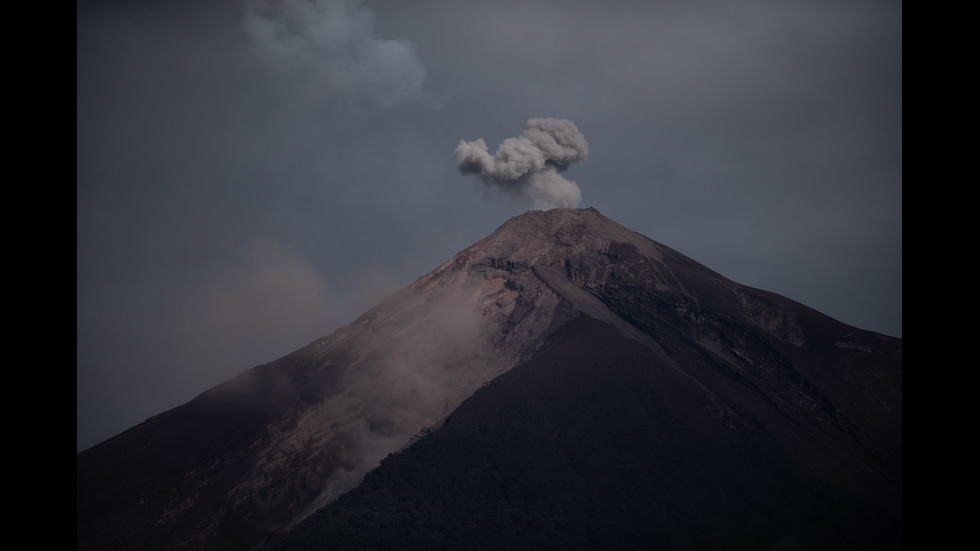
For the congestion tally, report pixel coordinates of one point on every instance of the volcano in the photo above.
(564, 383)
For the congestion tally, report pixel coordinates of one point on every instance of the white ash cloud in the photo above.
(530, 164)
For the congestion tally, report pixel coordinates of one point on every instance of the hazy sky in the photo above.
(253, 174)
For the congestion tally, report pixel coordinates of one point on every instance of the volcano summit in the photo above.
(563, 382)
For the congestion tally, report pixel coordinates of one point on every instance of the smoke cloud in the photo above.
(530, 164)
(331, 45)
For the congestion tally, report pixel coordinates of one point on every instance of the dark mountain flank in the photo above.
(563, 383)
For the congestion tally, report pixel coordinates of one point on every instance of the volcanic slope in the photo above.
(596, 444)
(742, 375)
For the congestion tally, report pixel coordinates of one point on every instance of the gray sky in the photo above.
(253, 174)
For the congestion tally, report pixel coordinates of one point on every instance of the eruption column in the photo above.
(530, 164)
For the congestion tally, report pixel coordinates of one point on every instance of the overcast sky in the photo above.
(253, 174)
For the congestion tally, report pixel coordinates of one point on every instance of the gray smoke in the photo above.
(331, 48)
(530, 164)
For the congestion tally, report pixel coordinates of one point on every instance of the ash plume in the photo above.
(530, 164)
(331, 48)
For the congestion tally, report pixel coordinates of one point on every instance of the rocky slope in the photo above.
(597, 444)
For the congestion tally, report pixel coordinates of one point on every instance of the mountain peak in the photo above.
(558, 215)
(553, 239)
(568, 226)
